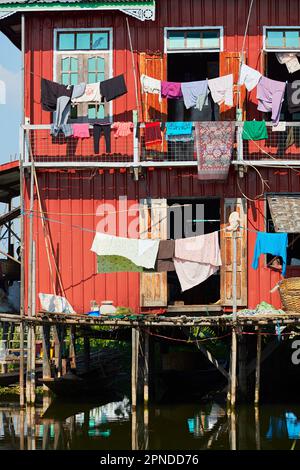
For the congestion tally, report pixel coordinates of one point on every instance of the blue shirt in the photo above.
(273, 243)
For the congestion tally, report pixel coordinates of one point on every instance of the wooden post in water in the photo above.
(46, 353)
(33, 335)
(72, 352)
(258, 366)
(146, 369)
(86, 346)
(234, 314)
(242, 373)
(134, 366)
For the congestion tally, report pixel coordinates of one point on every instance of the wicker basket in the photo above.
(290, 294)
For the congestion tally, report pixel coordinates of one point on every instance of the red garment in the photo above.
(152, 134)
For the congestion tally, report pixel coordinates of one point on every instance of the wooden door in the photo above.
(154, 225)
(231, 205)
(155, 66)
(230, 63)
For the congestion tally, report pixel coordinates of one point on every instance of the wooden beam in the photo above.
(214, 361)
(233, 368)
(146, 368)
(258, 368)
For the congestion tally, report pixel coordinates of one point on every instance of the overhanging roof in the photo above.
(285, 212)
(9, 181)
(10, 11)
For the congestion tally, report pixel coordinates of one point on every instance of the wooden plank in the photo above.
(153, 225)
(258, 368)
(234, 205)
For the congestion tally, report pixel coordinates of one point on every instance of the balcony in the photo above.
(280, 150)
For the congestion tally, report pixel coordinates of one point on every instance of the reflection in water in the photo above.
(112, 426)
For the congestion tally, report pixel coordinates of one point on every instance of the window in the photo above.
(282, 39)
(84, 56)
(293, 252)
(193, 39)
(83, 41)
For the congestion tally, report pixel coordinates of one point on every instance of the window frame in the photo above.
(279, 28)
(192, 29)
(106, 53)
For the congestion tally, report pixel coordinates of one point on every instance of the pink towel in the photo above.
(196, 259)
(81, 130)
(171, 90)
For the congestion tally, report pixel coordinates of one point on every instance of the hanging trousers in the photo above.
(98, 128)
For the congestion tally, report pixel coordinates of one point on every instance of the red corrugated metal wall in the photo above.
(73, 193)
(71, 198)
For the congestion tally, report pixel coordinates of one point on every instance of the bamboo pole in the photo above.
(257, 428)
(46, 353)
(72, 352)
(234, 336)
(33, 335)
(233, 430)
(258, 368)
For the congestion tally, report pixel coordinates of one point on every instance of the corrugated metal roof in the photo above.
(285, 213)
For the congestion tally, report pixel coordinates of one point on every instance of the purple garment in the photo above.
(270, 95)
(171, 90)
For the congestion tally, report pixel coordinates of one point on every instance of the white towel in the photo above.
(91, 94)
(151, 85)
(196, 259)
(249, 77)
(290, 60)
(221, 89)
(141, 252)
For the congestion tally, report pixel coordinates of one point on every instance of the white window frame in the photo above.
(193, 28)
(109, 52)
(272, 49)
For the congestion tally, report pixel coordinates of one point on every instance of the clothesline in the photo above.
(27, 213)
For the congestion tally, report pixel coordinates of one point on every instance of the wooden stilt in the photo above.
(233, 367)
(146, 369)
(33, 335)
(22, 428)
(72, 352)
(242, 373)
(46, 353)
(134, 439)
(257, 372)
(22, 366)
(86, 345)
(233, 430)
(257, 428)
(134, 372)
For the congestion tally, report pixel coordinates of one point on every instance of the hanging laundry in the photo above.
(179, 131)
(280, 127)
(272, 243)
(214, 144)
(113, 88)
(270, 95)
(50, 92)
(293, 97)
(141, 252)
(151, 85)
(2, 92)
(62, 113)
(91, 94)
(171, 90)
(196, 259)
(122, 129)
(78, 91)
(255, 130)
(66, 129)
(55, 304)
(249, 77)
(195, 94)
(116, 264)
(152, 134)
(166, 253)
(81, 131)
(293, 137)
(221, 89)
(290, 59)
(103, 126)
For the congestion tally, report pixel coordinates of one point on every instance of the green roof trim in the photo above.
(142, 9)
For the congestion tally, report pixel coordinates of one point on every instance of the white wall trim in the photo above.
(191, 28)
(271, 49)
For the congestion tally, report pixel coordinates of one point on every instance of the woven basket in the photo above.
(290, 294)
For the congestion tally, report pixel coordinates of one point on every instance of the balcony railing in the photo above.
(280, 149)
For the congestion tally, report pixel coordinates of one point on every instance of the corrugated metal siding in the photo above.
(82, 192)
